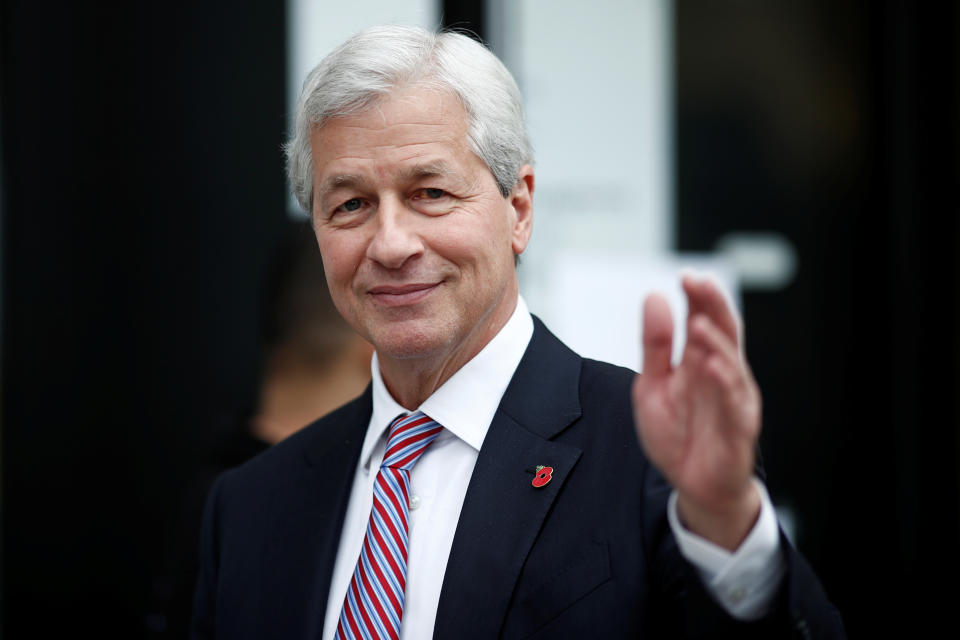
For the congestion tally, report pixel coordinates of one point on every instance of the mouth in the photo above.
(401, 295)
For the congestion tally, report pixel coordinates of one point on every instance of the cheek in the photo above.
(340, 263)
(339, 278)
(483, 236)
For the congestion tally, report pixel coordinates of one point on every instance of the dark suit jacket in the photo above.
(590, 555)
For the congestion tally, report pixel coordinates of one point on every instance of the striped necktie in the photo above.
(373, 606)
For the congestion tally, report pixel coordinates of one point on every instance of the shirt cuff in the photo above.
(744, 582)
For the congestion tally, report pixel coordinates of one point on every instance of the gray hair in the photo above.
(375, 62)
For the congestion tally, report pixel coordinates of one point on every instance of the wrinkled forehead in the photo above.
(412, 134)
(410, 118)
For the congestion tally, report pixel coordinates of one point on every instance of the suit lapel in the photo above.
(503, 512)
(331, 459)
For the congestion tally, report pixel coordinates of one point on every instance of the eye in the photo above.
(429, 194)
(353, 204)
(432, 201)
(350, 212)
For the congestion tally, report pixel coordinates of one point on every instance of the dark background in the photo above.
(143, 191)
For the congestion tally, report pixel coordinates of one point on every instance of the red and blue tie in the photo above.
(373, 607)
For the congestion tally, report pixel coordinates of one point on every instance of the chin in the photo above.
(424, 340)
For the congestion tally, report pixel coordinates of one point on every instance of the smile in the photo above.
(398, 296)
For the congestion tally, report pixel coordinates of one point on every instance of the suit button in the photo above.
(801, 627)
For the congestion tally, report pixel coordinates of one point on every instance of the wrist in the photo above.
(725, 525)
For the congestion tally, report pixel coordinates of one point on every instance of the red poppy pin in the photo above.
(543, 476)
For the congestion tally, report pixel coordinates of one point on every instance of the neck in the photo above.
(412, 381)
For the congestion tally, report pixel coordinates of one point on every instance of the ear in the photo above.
(521, 199)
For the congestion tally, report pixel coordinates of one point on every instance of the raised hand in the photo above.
(699, 421)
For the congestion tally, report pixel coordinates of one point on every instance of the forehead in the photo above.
(408, 123)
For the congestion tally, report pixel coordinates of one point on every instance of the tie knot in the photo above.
(408, 438)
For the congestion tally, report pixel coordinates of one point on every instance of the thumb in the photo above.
(657, 335)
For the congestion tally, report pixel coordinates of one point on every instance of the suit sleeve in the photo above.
(203, 624)
(683, 607)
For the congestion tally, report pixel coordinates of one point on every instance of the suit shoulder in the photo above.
(603, 377)
(277, 464)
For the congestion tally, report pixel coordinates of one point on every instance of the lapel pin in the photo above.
(543, 476)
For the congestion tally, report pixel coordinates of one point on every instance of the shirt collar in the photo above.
(466, 402)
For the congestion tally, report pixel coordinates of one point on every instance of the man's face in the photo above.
(417, 241)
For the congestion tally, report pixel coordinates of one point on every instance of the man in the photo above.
(528, 506)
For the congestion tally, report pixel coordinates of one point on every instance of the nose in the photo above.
(396, 239)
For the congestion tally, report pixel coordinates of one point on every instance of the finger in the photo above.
(657, 335)
(705, 334)
(721, 371)
(724, 365)
(704, 296)
(739, 394)
(694, 352)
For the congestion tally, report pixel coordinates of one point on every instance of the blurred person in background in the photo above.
(312, 362)
(551, 495)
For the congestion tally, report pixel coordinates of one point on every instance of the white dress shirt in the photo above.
(744, 582)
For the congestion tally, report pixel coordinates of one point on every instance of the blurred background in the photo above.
(807, 151)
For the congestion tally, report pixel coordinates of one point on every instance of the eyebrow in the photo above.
(336, 181)
(428, 170)
(416, 172)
